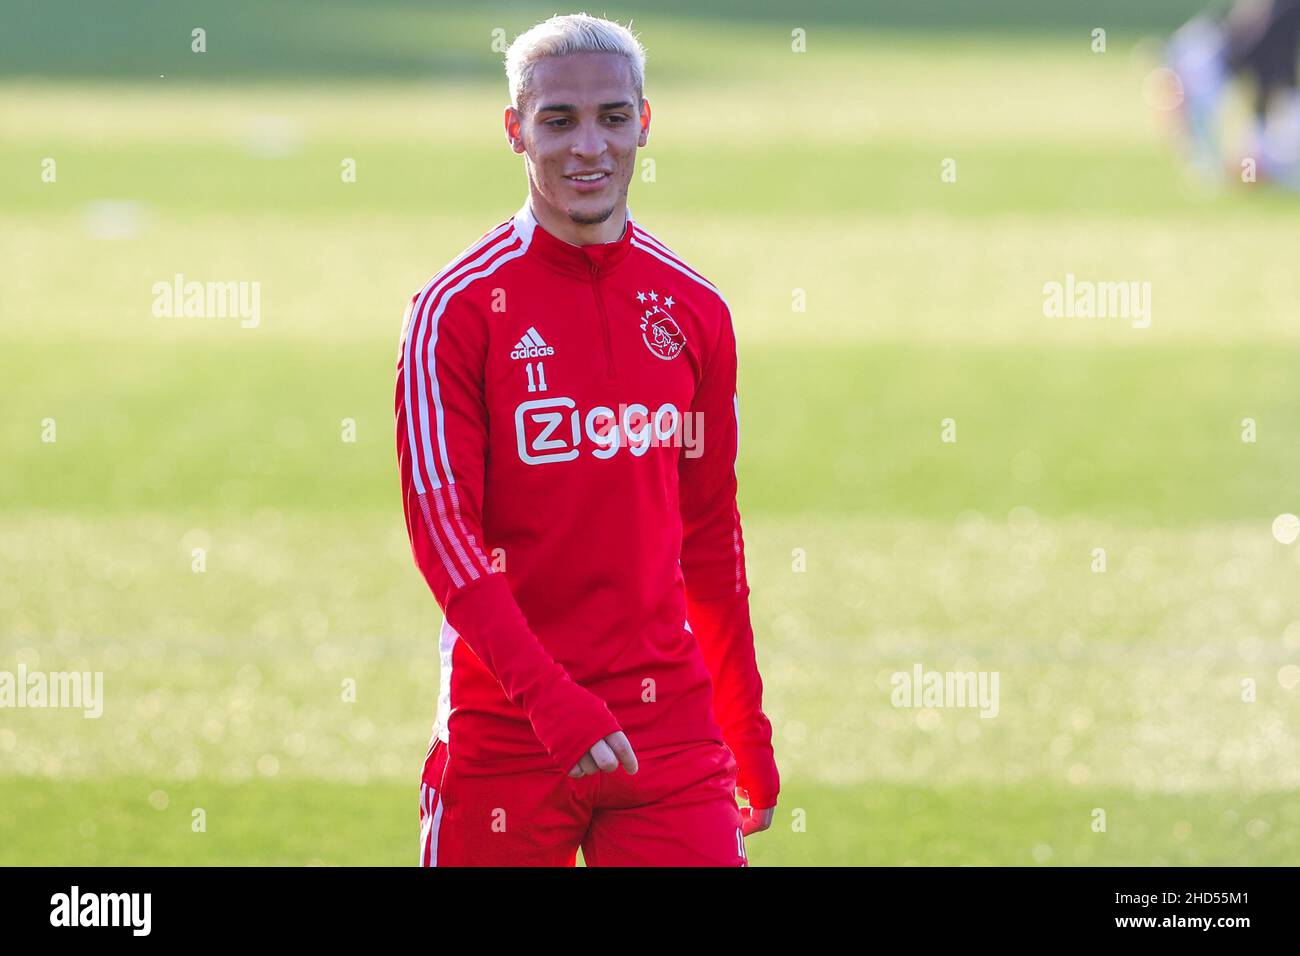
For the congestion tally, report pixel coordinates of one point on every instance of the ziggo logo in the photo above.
(542, 436)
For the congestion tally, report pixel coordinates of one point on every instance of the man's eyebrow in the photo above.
(570, 108)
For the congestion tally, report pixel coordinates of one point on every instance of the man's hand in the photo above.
(753, 819)
(607, 755)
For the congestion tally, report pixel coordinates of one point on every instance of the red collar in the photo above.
(579, 261)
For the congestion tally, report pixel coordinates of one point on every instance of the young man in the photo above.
(567, 439)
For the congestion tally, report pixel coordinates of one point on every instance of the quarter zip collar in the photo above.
(580, 262)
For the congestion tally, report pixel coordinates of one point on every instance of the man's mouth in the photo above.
(588, 181)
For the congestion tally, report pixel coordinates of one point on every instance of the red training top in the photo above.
(567, 432)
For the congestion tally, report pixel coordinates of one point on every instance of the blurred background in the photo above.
(206, 509)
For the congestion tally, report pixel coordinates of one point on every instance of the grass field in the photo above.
(1120, 691)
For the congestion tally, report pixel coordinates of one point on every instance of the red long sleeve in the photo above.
(713, 566)
(441, 450)
(588, 561)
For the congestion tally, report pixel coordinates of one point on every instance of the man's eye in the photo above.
(556, 122)
(619, 117)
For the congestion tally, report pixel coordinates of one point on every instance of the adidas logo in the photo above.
(531, 346)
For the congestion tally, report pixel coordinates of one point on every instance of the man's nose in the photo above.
(590, 141)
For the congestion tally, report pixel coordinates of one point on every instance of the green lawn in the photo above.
(1120, 691)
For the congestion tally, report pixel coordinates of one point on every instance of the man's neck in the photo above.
(575, 233)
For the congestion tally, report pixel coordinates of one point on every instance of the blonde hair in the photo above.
(563, 35)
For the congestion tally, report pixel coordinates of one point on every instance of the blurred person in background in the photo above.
(1256, 40)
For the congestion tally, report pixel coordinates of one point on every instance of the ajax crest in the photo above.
(660, 333)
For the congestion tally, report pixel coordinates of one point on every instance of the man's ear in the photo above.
(513, 123)
(645, 122)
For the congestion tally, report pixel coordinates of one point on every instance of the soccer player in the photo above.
(567, 436)
(1259, 39)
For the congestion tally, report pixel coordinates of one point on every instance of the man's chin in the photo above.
(589, 218)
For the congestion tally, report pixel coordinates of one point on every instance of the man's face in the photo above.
(582, 117)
